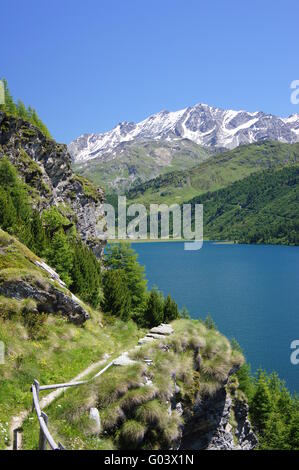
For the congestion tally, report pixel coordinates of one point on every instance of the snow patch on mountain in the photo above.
(202, 124)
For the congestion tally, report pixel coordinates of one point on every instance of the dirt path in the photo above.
(122, 360)
(17, 421)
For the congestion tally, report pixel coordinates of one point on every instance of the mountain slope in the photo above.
(215, 173)
(262, 208)
(133, 162)
(46, 167)
(202, 124)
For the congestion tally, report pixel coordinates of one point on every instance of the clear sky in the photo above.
(86, 65)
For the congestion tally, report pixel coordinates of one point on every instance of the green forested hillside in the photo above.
(262, 208)
(215, 173)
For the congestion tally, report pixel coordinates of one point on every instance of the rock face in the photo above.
(202, 124)
(49, 299)
(219, 423)
(27, 277)
(46, 167)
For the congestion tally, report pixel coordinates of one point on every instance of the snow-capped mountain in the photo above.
(202, 124)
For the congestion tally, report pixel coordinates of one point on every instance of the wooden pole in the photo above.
(15, 439)
(36, 383)
(42, 438)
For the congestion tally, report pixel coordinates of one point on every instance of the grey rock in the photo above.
(124, 360)
(49, 298)
(46, 166)
(95, 417)
(162, 329)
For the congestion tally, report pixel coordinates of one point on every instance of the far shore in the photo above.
(165, 240)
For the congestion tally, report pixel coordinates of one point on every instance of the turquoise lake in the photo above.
(251, 292)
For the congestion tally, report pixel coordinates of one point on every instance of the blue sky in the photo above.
(87, 65)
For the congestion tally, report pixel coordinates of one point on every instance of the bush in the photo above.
(33, 320)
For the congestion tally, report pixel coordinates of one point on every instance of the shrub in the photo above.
(131, 434)
(33, 320)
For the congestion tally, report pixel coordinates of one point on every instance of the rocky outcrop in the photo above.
(46, 166)
(219, 422)
(28, 277)
(48, 298)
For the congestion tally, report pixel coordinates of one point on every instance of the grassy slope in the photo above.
(135, 416)
(138, 162)
(57, 352)
(217, 172)
(262, 208)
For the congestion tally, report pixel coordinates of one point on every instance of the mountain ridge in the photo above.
(215, 173)
(203, 124)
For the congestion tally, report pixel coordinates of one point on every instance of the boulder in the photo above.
(162, 329)
(49, 299)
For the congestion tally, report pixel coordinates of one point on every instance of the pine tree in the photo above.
(38, 234)
(21, 110)
(9, 105)
(170, 310)
(86, 275)
(154, 311)
(8, 174)
(274, 433)
(8, 213)
(261, 404)
(122, 256)
(117, 301)
(293, 427)
(59, 255)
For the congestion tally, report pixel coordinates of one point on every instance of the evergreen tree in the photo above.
(8, 174)
(8, 213)
(154, 311)
(59, 255)
(170, 310)
(21, 110)
(9, 105)
(261, 404)
(117, 301)
(86, 275)
(245, 381)
(293, 427)
(122, 256)
(39, 239)
(274, 433)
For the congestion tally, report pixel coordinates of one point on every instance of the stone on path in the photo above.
(124, 360)
(155, 336)
(162, 329)
(146, 339)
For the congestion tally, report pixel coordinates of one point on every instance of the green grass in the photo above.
(135, 413)
(63, 351)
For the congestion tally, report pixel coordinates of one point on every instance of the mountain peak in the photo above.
(205, 125)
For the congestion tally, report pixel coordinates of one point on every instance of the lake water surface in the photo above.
(251, 291)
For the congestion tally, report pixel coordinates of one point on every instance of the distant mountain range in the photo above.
(133, 153)
(202, 124)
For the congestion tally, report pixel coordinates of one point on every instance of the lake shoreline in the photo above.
(214, 242)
